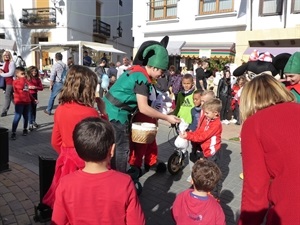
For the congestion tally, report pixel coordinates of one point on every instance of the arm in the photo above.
(11, 71)
(134, 212)
(256, 182)
(53, 75)
(39, 85)
(144, 108)
(219, 88)
(56, 139)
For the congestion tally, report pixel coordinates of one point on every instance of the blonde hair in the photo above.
(80, 86)
(8, 53)
(213, 105)
(262, 92)
(208, 92)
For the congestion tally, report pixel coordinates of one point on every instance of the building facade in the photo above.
(222, 30)
(29, 22)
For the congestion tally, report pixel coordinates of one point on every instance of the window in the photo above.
(1, 9)
(270, 7)
(215, 6)
(296, 6)
(163, 9)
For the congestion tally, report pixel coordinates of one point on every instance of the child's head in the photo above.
(32, 72)
(292, 69)
(20, 71)
(197, 98)
(207, 95)
(187, 81)
(80, 86)
(205, 175)
(94, 139)
(212, 108)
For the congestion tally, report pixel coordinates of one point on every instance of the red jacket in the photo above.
(37, 83)
(208, 134)
(21, 96)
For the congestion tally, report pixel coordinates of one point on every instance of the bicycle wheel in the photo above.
(175, 163)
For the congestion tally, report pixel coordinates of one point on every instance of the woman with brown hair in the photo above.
(270, 153)
(8, 72)
(77, 99)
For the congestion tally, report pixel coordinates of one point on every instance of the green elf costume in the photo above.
(293, 67)
(121, 99)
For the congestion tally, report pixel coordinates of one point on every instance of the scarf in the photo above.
(6, 67)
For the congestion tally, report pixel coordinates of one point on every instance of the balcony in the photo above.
(38, 17)
(101, 29)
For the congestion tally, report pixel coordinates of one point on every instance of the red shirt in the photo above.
(191, 210)
(21, 95)
(208, 134)
(270, 153)
(65, 119)
(105, 198)
(37, 83)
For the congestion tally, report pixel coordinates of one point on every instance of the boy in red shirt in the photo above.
(208, 134)
(96, 194)
(22, 99)
(196, 206)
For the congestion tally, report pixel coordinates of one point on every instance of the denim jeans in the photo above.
(56, 88)
(8, 98)
(32, 110)
(119, 161)
(20, 110)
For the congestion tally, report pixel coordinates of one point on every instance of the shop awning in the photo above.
(8, 45)
(208, 50)
(273, 50)
(174, 47)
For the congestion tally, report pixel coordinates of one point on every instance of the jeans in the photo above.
(20, 110)
(32, 110)
(8, 98)
(119, 161)
(56, 88)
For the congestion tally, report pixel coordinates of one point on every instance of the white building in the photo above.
(220, 29)
(29, 22)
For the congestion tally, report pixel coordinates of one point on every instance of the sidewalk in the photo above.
(19, 187)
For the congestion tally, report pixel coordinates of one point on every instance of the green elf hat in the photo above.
(293, 65)
(159, 56)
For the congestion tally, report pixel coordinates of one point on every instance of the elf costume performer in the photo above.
(131, 92)
(292, 73)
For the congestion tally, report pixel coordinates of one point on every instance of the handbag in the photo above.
(2, 83)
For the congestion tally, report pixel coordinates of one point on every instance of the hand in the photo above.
(36, 101)
(50, 88)
(32, 87)
(183, 134)
(173, 119)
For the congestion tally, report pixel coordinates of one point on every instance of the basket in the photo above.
(143, 133)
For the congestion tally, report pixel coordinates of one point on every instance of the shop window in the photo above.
(215, 6)
(295, 6)
(163, 9)
(270, 7)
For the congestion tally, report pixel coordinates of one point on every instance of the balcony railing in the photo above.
(101, 28)
(43, 17)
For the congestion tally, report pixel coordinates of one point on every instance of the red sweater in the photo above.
(270, 152)
(65, 119)
(37, 83)
(189, 210)
(208, 134)
(105, 198)
(20, 95)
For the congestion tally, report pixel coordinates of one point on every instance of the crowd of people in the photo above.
(94, 144)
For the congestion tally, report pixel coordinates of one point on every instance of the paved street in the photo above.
(19, 187)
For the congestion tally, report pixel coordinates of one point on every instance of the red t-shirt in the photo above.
(105, 198)
(21, 94)
(189, 209)
(65, 119)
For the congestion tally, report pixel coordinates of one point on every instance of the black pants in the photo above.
(225, 106)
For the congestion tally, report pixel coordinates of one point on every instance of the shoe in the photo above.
(45, 111)
(13, 136)
(237, 123)
(233, 121)
(31, 127)
(35, 125)
(242, 176)
(25, 132)
(189, 179)
(225, 122)
(3, 114)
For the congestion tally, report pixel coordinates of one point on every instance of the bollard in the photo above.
(4, 150)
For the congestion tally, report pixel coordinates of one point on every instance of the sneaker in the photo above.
(25, 132)
(31, 127)
(13, 136)
(3, 114)
(189, 179)
(233, 121)
(35, 125)
(225, 122)
(242, 176)
(45, 111)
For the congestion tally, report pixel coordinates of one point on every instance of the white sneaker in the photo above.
(233, 121)
(189, 179)
(225, 122)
